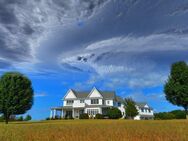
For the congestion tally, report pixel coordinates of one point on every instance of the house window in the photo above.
(81, 101)
(108, 102)
(149, 110)
(142, 109)
(92, 111)
(70, 102)
(94, 101)
(119, 104)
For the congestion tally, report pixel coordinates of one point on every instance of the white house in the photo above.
(93, 102)
(145, 112)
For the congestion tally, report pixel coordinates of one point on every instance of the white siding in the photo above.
(70, 95)
(95, 94)
(122, 109)
(109, 102)
(78, 104)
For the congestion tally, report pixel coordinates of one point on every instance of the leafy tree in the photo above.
(130, 108)
(176, 87)
(164, 116)
(114, 113)
(27, 118)
(16, 94)
(179, 114)
(20, 118)
(2, 118)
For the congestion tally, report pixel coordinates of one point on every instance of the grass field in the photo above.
(95, 130)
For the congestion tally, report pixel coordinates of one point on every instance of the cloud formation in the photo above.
(124, 42)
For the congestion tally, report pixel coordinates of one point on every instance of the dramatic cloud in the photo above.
(24, 24)
(121, 42)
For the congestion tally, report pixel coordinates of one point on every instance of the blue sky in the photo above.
(122, 45)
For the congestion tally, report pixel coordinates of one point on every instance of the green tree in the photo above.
(27, 118)
(179, 114)
(20, 118)
(130, 108)
(114, 113)
(16, 94)
(164, 116)
(176, 87)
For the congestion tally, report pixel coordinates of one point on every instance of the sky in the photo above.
(123, 45)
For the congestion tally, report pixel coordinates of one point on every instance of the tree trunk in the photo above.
(186, 111)
(6, 119)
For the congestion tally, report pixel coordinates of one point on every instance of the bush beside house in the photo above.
(99, 116)
(84, 116)
(114, 113)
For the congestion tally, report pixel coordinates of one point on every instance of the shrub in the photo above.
(84, 116)
(20, 118)
(47, 118)
(27, 118)
(99, 116)
(68, 117)
(114, 113)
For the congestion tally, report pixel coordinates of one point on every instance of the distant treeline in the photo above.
(176, 114)
(16, 118)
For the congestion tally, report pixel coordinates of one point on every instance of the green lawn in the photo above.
(95, 130)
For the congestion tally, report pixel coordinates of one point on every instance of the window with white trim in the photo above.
(94, 101)
(108, 102)
(81, 101)
(142, 109)
(70, 102)
(92, 111)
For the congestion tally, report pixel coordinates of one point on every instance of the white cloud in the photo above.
(42, 94)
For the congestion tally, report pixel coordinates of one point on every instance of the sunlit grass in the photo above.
(95, 130)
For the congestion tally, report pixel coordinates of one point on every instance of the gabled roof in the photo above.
(119, 99)
(142, 104)
(108, 94)
(81, 94)
(105, 94)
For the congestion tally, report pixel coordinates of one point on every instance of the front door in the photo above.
(68, 114)
(81, 112)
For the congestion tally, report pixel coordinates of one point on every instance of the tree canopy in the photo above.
(16, 94)
(176, 87)
(130, 108)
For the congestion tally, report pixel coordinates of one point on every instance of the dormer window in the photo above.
(70, 102)
(119, 104)
(82, 101)
(142, 109)
(149, 110)
(94, 101)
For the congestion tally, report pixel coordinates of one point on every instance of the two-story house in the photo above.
(93, 102)
(145, 112)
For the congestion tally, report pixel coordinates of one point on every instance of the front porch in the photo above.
(65, 112)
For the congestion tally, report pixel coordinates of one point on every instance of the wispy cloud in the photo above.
(42, 94)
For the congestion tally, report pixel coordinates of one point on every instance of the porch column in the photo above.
(51, 114)
(73, 112)
(62, 113)
(54, 113)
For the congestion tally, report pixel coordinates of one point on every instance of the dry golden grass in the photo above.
(95, 130)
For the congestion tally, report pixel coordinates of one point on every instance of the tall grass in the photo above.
(96, 130)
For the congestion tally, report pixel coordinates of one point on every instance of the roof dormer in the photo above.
(70, 95)
(95, 93)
